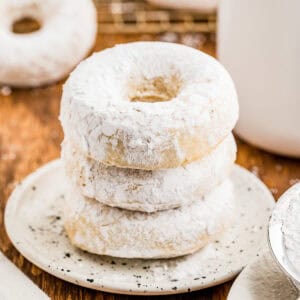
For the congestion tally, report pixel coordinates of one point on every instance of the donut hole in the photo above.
(157, 89)
(26, 25)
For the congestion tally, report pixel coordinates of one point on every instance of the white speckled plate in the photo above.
(263, 279)
(33, 220)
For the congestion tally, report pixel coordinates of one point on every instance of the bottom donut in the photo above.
(105, 230)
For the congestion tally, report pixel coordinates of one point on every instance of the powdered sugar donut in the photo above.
(67, 33)
(148, 105)
(105, 230)
(204, 6)
(149, 191)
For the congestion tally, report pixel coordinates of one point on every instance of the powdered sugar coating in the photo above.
(99, 116)
(117, 232)
(149, 191)
(67, 33)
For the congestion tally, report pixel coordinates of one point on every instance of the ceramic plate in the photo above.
(263, 279)
(34, 223)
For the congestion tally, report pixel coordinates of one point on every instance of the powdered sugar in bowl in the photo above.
(284, 233)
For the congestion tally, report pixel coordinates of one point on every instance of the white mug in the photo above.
(259, 44)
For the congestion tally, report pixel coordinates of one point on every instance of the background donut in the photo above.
(67, 34)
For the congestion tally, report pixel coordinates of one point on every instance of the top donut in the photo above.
(148, 105)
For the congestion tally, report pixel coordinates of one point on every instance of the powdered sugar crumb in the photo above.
(294, 181)
(255, 170)
(8, 156)
(274, 190)
(195, 40)
(169, 37)
(6, 90)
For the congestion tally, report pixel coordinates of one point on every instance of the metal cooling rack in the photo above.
(129, 16)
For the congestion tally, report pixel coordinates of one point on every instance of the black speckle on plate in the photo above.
(31, 228)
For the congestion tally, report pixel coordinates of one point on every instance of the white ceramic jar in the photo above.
(259, 44)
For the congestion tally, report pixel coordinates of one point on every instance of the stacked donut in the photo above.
(148, 150)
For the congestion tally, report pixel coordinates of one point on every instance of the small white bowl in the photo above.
(279, 237)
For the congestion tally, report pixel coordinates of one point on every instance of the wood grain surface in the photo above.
(30, 136)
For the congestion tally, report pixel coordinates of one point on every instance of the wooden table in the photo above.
(30, 136)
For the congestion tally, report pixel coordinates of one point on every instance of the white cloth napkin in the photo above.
(14, 285)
